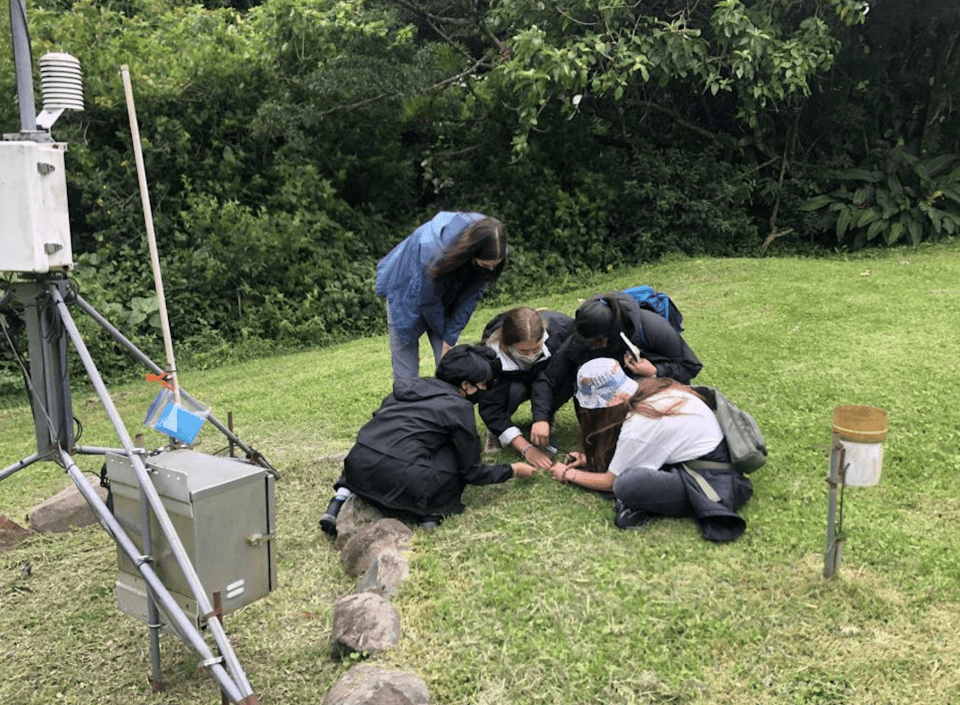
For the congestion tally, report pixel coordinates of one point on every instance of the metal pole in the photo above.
(48, 379)
(24, 65)
(19, 465)
(153, 614)
(97, 450)
(834, 548)
(160, 512)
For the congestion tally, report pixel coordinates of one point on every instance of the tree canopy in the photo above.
(290, 143)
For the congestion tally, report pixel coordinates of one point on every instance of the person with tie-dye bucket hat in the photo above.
(636, 437)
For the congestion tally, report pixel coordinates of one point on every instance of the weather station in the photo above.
(194, 532)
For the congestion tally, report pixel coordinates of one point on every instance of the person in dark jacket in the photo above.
(421, 448)
(523, 339)
(641, 440)
(601, 323)
(432, 281)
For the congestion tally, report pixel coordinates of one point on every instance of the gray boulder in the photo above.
(359, 552)
(355, 515)
(364, 623)
(369, 685)
(66, 510)
(385, 575)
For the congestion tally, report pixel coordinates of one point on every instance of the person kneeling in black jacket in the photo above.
(421, 448)
(523, 339)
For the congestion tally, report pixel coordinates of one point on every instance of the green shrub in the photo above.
(894, 197)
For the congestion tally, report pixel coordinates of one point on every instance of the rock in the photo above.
(369, 685)
(66, 510)
(355, 515)
(364, 623)
(359, 552)
(387, 572)
(11, 533)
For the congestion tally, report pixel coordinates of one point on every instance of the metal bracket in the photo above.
(257, 539)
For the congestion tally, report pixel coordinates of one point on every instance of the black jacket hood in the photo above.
(419, 388)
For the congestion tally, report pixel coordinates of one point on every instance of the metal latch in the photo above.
(257, 539)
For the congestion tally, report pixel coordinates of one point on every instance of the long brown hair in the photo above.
(486, 235)
(648, 386)
(600, 428)
(518, 325)
(599, 432)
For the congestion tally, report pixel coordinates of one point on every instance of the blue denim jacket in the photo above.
(412, 295)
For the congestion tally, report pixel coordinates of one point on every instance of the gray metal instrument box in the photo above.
(223, 511)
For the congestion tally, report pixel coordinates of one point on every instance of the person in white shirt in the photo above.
(636, 436)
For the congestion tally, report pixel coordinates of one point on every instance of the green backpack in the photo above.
(748, 451)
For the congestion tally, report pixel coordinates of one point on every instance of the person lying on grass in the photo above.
(636, 436)
(421, 448)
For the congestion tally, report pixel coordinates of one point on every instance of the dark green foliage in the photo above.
(903, 198)
(878, 140)
(289, 144)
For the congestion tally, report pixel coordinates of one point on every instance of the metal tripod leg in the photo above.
(159, 511)
(19, 465)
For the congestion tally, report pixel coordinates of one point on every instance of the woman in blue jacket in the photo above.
(433, 280)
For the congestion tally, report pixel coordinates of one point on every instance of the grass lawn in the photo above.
(532, 595)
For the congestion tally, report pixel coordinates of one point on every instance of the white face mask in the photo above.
(525, 359)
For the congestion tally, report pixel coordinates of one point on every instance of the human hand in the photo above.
(641, 367)
(535, 456)
(558, 470)
(523, 470)
(575, 459)
(540, 433)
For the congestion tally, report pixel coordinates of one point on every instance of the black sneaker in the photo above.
(328, 522)
(429, 522)
(626, 518)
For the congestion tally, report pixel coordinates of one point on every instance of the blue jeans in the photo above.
(661, 491)
(405, 357)
(656, 491)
